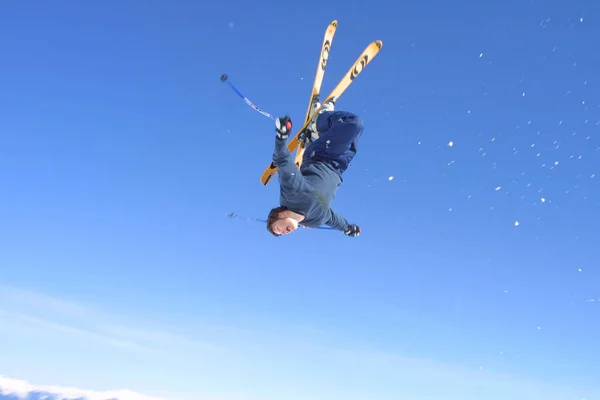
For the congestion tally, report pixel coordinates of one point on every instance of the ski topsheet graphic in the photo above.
(316, 89)
(359, 65)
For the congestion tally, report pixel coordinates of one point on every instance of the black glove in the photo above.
(353, 230)
(283, 127)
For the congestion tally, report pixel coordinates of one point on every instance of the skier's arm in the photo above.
(336, 221)
(290, 177)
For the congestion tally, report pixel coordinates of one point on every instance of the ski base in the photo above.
(319, 75)
(359, 65)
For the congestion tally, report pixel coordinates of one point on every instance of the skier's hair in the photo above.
(273, 217)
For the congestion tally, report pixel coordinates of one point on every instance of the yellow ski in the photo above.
(359, 65)
(316, 90)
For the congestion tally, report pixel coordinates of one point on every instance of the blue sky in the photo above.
(121, 152)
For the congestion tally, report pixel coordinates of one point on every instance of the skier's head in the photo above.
(278, 223)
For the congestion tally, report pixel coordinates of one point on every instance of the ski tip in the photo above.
(266, 181)
(379, 43)
(224, 77)
(334, 23)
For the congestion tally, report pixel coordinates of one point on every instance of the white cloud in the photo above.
(21, 389)
(87, 347)
(51, 313)
(70, 330)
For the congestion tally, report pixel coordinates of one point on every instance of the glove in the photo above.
(283, 127)
(352, 230)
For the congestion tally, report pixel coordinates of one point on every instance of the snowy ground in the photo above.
(15, 389)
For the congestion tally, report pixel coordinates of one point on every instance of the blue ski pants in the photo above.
(337, 144)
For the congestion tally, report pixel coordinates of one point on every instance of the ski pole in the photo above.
(236, 216)
(225, 78)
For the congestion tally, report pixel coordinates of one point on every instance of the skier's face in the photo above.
(284, 226)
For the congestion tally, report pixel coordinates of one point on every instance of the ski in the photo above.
(359, 65)
(316, 89)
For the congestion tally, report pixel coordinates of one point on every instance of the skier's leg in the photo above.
(339, 132)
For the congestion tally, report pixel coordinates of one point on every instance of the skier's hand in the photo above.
(353, 230)
(283, 127)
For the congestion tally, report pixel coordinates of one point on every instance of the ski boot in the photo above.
(310, 133)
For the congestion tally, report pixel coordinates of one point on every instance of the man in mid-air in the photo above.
(306, 193)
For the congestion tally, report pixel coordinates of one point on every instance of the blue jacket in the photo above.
(308, 191)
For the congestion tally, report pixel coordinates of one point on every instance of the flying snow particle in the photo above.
(390, 178)
(579, 269)
(516, 223)
(498, 188)
(480, 55)
(523, 94)
(450, 144)
(581, 19)
(543, 200)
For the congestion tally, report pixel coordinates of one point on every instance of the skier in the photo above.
(306, 193)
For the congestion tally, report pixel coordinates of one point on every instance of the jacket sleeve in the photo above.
(336, 221)
(290, 177)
